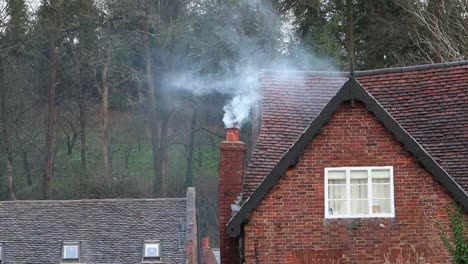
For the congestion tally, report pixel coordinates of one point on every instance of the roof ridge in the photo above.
(366, 72)
(94, 200)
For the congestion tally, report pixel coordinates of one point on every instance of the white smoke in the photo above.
(237, 110)
(239, 77)
(242, 85)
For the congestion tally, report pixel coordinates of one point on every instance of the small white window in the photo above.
(1, 253)
(353, 192)
(71, 251)
(151, 250)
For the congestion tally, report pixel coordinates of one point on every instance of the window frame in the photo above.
(146, 258)
(369, 192)
(68, 244)
(2, 248)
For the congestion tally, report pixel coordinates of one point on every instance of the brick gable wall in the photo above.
(290, 226)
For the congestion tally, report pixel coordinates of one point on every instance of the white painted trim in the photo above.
(369, 194)
(71, 244)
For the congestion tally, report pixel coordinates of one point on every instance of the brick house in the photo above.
(107, 231)
(348, 168)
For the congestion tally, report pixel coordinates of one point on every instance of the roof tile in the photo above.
(430, 102)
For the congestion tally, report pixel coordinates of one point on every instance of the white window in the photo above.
(71, 251)
(1, 253)
(151, 250)
(353, 192)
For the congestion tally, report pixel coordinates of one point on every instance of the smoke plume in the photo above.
(271, 45)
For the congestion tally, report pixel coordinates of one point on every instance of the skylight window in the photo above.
(71, 251)
(151, 250)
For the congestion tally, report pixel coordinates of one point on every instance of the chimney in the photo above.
(208, 256)
(231, 172)
(206, 242)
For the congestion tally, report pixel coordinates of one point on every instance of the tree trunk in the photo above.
(127, 154)
(27, 170)
(71, 140)
(105, 122)
(437, 23)
(350, 34)
(82, 110)
(5, 137)
(191, 146)
(162, 153)
(51, 120)
(157, 181)
(11, 182)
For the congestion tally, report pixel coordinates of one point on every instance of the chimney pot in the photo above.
(206, 242)
(232, 134)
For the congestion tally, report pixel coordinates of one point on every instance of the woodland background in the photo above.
(87, 109)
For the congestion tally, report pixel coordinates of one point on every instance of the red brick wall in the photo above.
(190, 253)
(231, 170)
(290, 224)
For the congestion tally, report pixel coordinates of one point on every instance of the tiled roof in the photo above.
(429, 101)
(109, 231)
(290, 102)
(432, 105)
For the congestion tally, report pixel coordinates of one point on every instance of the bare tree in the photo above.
(51, 23)
(5, 137)
(191, 149)
(441, 33)
(158, 181)
(350, 34)
(104, 116)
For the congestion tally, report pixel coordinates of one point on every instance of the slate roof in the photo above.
(432, 105)
(290, 101)
(429, 101)
(109, 230)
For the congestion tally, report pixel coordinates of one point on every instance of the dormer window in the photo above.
(71, 252)
(151, 250)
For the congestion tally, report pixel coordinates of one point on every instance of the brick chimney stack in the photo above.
(231, 171)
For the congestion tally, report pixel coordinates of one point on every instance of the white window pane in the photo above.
(380, 174)
(359, 191)
(359, 181)
(337, 192)
(335, 175)
(358, 174)
(381, 206)
(359, 206)
(336, 181)
(337, 207)
(70, 252)
(380, 180)
(381, 191)
(151, 250)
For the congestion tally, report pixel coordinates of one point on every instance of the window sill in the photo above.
(359, 216)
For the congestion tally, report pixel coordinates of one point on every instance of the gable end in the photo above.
(351, 91)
